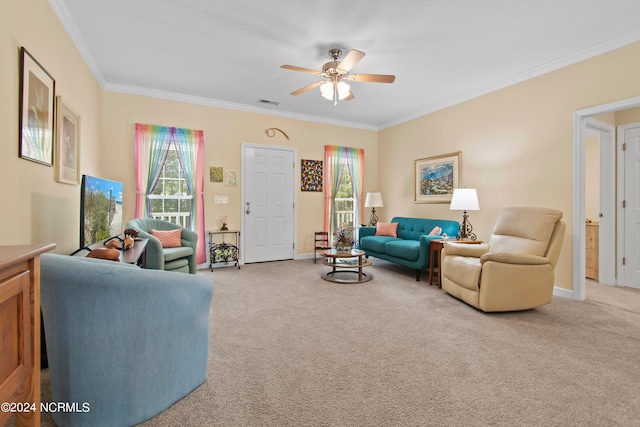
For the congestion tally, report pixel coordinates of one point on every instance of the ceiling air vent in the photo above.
(268, 102)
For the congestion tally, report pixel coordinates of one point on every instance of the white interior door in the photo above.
(630, 268)
(268, 203)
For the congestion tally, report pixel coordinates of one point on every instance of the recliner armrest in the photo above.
(464, 249)
(509, 258)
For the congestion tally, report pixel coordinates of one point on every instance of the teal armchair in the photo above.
(124, 341)
(181, 259)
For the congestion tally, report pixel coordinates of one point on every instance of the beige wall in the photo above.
(516, 143)
(36, 208)
(224, 132)
(43, 210)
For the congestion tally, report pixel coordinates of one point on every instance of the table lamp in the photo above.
(465, 199)
(373, 200)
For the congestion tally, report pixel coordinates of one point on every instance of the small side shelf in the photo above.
(223, 251)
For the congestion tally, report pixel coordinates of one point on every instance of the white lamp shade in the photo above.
(464, 199)
(326, 89)
(373, 200)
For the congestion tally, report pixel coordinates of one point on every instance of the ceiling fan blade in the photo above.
(306, 88)
(304, 70)
(349, 97)
(373, 78)
(350, 60)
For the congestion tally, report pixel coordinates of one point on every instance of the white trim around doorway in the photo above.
(580, 118)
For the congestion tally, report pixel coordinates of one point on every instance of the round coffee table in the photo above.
(344, 265)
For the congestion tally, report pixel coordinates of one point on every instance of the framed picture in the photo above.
(436, 177)
(37, 95)
(311, 175)
(67, 144)
(216, 174)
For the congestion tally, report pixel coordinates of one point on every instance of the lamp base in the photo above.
(466, 230)
(373, 220)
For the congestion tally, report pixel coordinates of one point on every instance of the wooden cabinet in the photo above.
(592, 250)
(20, 330)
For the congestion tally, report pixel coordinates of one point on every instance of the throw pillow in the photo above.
(387, 229)
(170, 238)
(435, 231)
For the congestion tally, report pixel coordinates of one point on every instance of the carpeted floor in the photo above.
(290, 349)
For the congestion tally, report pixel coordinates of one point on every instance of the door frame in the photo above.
(294, 224)
(607, 206)
(580, 118)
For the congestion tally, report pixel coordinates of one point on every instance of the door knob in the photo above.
(248, 210)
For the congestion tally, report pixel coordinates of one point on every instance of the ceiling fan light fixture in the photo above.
(326, 89)
(343, 90)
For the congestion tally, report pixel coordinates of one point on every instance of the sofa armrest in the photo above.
(189, 238)
(154, 256)
(365, 232)
(509, 258)
(465, 249)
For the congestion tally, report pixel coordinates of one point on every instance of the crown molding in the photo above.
(171, 96)
(76, 37)
(584, 54)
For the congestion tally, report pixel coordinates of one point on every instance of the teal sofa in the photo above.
(123, 342)
(411, 246)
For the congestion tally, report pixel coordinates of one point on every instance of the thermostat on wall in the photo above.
(221, 200)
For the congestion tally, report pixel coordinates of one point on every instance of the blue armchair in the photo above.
(170, 259)
(126, 341)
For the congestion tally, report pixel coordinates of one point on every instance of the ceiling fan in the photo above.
(334, 87)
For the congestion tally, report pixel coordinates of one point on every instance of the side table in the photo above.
(136, 255)
(224, 252)
(435, 249)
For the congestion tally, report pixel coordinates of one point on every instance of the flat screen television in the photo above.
(100, 209)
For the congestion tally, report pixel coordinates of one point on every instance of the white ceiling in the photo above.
(229, 53)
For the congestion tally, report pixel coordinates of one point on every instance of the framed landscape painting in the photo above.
(436, 177)
(37, 94)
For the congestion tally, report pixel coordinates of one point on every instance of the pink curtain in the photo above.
(152, 142)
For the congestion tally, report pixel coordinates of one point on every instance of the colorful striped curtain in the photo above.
(150, 153)
(334, 158)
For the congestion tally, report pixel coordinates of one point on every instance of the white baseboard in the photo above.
(562, 292)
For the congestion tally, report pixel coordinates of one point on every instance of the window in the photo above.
(171, 200)
(169, 168)
(343, 179)
(344, 214)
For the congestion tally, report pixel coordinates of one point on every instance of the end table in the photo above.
(224, 252)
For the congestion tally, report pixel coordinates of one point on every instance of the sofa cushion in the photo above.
(405, 249)
(178, 264)
(175, 253)
(375, 243)
(387, 229)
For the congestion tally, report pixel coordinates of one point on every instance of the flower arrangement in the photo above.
(342, 239)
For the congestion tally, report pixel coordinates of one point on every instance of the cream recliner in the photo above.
(515, 270)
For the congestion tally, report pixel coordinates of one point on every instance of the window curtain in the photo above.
(334, 158)
(150, 153)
